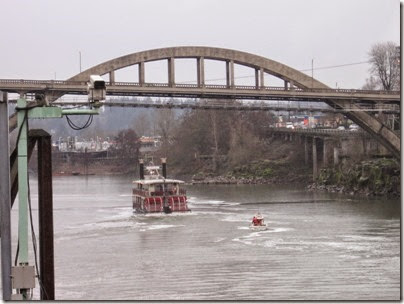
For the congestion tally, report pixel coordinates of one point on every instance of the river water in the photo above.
(319, 246)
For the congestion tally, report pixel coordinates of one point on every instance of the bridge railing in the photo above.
(40, 82)
(315, 131)
(25, 82)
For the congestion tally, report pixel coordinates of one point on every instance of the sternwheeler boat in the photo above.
(153, 192)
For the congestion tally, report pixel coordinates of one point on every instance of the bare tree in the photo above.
(385, 61)
(165, 122)
(141, 124)
(372, 83)
(127, 145)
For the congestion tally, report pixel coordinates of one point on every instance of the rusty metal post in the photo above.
(45, 215)
(164, 167)
(141, 169)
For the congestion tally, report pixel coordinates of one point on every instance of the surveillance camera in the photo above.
(96, 89)
(96, 82)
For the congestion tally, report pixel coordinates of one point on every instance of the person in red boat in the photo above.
(258, 220)
(258, 223)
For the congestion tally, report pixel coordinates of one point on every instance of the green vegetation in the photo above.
(371, 177)
(215, 142)
(231, 147)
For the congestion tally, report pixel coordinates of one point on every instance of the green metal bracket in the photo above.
(45, 112)
(22, 116)
(56, 112)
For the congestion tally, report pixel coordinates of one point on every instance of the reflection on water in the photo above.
(319, 246)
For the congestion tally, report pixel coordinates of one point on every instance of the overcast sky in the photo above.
(43, 39)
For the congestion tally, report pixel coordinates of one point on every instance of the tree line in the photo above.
(217, 140)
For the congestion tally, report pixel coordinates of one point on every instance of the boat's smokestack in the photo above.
(141, 169)
(164, 167)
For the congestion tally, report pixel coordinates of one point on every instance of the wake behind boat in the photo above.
(156, 193)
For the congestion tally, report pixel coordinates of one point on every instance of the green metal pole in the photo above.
(5, 204)
(22, 183)
(79, 111)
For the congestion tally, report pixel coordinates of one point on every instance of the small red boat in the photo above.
(156, 193)
(258, 223)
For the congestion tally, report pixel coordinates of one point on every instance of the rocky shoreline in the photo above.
(352, 191)
(224, 180)
(221, 180)
(377, 177)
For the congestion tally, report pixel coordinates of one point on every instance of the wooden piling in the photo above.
(45, 215)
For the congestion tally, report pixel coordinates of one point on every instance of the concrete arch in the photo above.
(371, 124)
(269, 66)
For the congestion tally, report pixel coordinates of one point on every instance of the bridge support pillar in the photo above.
(112, 77)
(259, 79)
(315, 164)
(306, 151)
(141, 73)
(336, 156)
(200, 70)
(171, 72)
(365, 146)
(326, 152)
(262, 83)
(230, 74)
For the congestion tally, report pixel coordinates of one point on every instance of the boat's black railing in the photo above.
(145, 193)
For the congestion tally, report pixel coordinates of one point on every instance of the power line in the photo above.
(335, 66)
(303, 70)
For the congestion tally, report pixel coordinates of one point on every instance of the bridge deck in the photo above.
(235, 105)
(195, 91)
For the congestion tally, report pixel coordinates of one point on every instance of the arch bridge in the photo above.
(297, 85)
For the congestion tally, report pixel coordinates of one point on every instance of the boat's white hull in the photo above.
(259, 228)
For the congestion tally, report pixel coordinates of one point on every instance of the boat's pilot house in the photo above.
(157, 189)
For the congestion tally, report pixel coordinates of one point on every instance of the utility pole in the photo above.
(80, 60)
(5, 204)
(312, 72)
